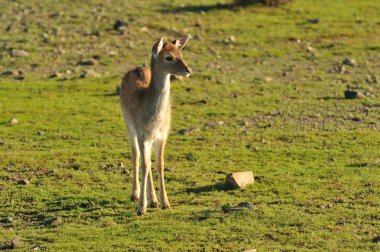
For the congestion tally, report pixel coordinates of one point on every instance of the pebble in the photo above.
(120, 25)
(90, 62)
(16, 243)
(144, 29)
(189, 131)
(54, 221)
(89, 73)
(13, 121)
(349, 62)
(23, 182)
(313, 20)
(352, 94)
(310, 49)
(19, 53)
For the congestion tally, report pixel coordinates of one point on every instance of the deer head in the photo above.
(167, 56)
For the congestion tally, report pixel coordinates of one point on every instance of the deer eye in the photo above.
(169, 58)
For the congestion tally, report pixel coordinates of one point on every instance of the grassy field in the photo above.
(266, 95)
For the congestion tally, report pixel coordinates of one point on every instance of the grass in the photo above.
(315, 155)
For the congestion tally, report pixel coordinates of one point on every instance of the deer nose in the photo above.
(188, 71)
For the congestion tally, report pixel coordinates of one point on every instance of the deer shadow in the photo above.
(220, 186)
(207, 8)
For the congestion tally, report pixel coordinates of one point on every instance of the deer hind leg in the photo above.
(160, 146)
(145, 152)
(152, 198)
(136, 161)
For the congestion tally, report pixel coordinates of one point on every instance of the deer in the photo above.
(146, 107)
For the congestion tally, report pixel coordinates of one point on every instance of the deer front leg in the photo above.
(160, 146)
(145, 151)
(135, 160)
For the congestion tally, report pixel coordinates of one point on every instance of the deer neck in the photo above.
(159, 88)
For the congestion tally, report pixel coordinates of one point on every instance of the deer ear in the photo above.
(157, 47)
(181, 41)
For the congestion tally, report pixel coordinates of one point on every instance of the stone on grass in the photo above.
(240, 179)
(13, 121)
(90, 62)
(245, 205)
(24, 182)
(352, 94)
(350, 62)
(16, 243)
(19, 53)
(55, 221)
(20, 77)
(189, 131)
(313, 20)
(89, 73)
(120, 25)
(250, 250)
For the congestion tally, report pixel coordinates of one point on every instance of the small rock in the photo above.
(144, 29)
(310, 49)
(313, 20)
(250, 250)
(244, 122)
(38, 247)
(120, 25)
(90, 62)
(342, 69)
(189, 131)
(11, 73)
(230, 40)
(7, 220)
(245, 205)
(349, 62)
(268, 79)
(40, 132)
(296, 40)
(125, 171)
(89, 73)
(13, 121)
(2, 142)
(54, 221)
(19, 53)
(16, 243)
(19, 77)
(118, 90)
(240, 179)
(352, 94)
(23, 182)
(112, 53)
(198, 23)
(214, 124)
(56, 75)
(120, 164)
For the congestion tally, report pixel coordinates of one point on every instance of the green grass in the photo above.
(315, 155)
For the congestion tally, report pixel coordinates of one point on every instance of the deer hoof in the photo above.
(134, 198)
(153, 204)
(141, 211)
(165, 205)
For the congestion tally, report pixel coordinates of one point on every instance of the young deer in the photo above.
(145, 102)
